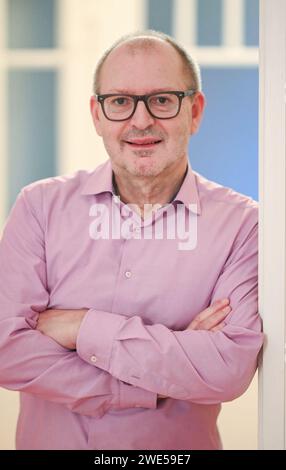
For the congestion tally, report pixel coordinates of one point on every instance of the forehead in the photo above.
(142, 68)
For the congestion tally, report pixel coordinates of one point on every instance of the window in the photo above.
(223, 36)
(29, 92)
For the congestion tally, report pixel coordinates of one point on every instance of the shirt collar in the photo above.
(100, 181)
(188, 193)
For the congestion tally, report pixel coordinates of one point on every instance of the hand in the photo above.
(61, 325)
(210, 319)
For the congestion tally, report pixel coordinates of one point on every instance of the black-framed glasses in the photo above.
(163, 105)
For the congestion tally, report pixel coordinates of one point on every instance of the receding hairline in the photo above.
(149, 40)
(138, 43)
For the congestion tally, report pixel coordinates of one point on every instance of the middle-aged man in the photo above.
(128, 294)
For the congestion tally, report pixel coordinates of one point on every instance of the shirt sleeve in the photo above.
(196, 365)
(30, 361)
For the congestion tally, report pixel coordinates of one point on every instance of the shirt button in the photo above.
(128, 274)
(93, 359)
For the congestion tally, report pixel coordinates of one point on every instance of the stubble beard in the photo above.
(144, 165)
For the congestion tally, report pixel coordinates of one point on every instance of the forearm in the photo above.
(34, 363)
(200, 366)
(30, 361)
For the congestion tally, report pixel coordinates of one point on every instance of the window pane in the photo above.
(251, 8)
(209, 22)
(32, 127)
(160, 14)
(226, 147)
(31, 24)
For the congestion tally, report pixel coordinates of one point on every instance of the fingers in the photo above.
(214, 320)
(218, 327)
(211, 316)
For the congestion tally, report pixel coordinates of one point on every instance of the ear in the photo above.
(199, 102)
(95, 112)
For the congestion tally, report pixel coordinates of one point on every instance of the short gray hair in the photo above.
(145, 39)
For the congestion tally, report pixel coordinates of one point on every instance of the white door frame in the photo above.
(272, 178)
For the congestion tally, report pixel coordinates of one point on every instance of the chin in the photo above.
(143, 164)
(148, 172)
(146, 168)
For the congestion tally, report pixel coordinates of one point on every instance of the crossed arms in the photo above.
(208, 362)
(63, 325)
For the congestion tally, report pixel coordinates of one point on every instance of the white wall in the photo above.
(272, 249)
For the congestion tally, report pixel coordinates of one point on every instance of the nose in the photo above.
(141, 118)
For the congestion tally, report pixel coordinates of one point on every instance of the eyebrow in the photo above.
(128, 92)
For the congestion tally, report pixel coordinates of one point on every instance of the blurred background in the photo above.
(48, 51)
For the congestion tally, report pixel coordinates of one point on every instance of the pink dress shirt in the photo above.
(141, 295)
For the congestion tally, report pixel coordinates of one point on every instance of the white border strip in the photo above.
(32, 58)
(272, 243)
(3, 118)
(185, 21)
(226, 56)
(233, 23)
(207, 56)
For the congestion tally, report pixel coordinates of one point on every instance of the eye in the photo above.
(120, 101)
(162, 99)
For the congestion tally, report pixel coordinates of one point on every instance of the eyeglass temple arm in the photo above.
(190, 92)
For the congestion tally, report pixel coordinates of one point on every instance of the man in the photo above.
(119, 332)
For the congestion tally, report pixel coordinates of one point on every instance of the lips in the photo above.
(144, 142)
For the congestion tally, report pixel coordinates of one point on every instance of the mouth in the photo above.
(143, 143)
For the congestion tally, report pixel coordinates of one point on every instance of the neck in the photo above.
(153, 190)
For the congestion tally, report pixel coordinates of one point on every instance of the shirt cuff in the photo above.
(96, 336)
(135, 397)
(94, 345)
